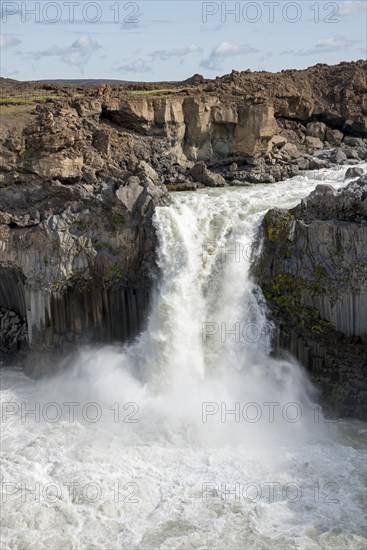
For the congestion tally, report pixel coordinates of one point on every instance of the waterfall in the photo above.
(190, 437)
(206, 349)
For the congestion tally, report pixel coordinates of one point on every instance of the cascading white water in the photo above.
(176, 445)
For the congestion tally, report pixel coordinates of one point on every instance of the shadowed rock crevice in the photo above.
(13, 312)
(99, 315)
(12, 290)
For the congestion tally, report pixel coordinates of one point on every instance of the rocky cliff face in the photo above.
(77, 246)
(200, 128)
(313, 271)
(335, 95)
(83, 169)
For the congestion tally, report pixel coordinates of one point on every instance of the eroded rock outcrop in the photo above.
(203, 128)
(334, 95)
(77, 261)
(82, 172)
(313, 271)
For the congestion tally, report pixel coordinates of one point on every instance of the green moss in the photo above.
(279, 232)
(80, 283)
(320, 273)
(320, 326)
(114, 276)
(102, 218)
(285, 292)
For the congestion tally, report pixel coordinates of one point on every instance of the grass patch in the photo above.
(26, 100)
(165, 92)
(13, 109)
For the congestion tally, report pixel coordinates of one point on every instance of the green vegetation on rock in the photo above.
(278, 231)
(285, 291)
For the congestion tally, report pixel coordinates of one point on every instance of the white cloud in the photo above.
(334, 42)
(8, 40)
(138, 66)
(266, 56)
(223, 51)
(350, 7)
(6, 73)
(215, 28)
(164, 55)
(287, 52)
(329, 45)
(78, 54)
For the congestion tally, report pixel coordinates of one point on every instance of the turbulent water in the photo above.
(192, 437)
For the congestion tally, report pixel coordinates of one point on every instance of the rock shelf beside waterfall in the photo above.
(313, 271)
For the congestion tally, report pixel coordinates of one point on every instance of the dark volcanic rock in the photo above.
(13, 332)
(313, 272)
(353, 173)
(201, 174)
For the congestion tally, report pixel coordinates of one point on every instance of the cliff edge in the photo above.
(312, 268)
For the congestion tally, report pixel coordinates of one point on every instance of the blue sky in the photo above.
(172, 40)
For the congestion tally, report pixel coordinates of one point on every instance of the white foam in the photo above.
(169, 372)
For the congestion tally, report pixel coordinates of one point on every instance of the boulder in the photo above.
(291, 150)
(303, 164)
(362, 152)
(314, 142)
(352, 173)
(353, 141)
(148, 171)
(351, 153)
(334, 136)
(316, 130)
(338, 157)
(201, 174)
(318, 164)
(266, 178)
(128, 194)
(278, 141)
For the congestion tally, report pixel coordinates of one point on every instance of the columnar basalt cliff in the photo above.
(82, 170)
(76, 249)
(313, 271)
